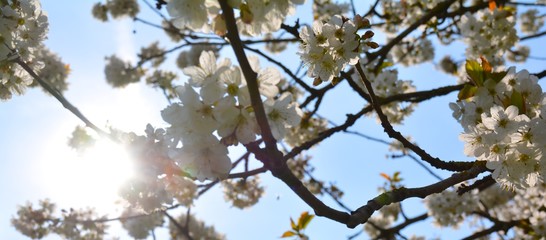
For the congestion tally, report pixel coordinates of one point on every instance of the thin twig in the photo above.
(388, 128)
(55, 93)
(182, 229)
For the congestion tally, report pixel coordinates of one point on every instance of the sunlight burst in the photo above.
(91, 178)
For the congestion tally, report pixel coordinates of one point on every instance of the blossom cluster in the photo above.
(385, 83)
(55, 71)
(520, 54)
(138, 224)
(448, 208)
(222, 107)
(116, 8)
(302, 169)
(502, 114)
(196, 229)
(256, 16)
(38, 222)
(164, 80)
(488, 33)
(531, 21)
(327, 48)
(120, 73)
(414, 51)
(153, 53)
(323, 10)
(529, 204)
(308, 129)
(23, 28)
(80, 139)
(243, 193)
(157, 180)
(404, 13)
(384, 219)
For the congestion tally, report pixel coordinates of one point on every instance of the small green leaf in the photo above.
(475, 72)
(396, 177)
(383, 66)
(511, 10)
(246, 14)
(304, 220)
(293, 225)
(288, 234)
(468, 91)
(517, 100)
(497, 76)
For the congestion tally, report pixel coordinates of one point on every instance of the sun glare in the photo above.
(108, 163)
(91, 178)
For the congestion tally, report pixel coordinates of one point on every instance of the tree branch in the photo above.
(55, 93)
(250, 76)
(388, 128)
(182, 229)
(362, 214)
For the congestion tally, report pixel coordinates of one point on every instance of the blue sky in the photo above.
(37, 163)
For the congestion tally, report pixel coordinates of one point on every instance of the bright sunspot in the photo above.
(91, 178)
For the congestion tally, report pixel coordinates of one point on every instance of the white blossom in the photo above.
(122, 8)
(120, 73)
(243, 193)
(488, 33)
(327, 48)
(23, 28)
(502, 125)
(282, 114)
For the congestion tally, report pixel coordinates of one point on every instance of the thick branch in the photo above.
(250, 76)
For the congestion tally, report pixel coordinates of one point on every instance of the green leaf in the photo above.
(511, 10)
(383, 66)
(475, 72)
(293, 225)
(288, 234)
(396, 177)
(498, 76)
(517, 100)
(468, 91)
(304, 220)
